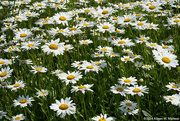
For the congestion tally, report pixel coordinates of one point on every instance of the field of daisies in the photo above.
(89, 60)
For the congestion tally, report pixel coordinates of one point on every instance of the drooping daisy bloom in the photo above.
(64, 107)
(136, 90)
(127, 104)
(42, 93)
(89, 67)
(166, 59)
(19, 117)
(2, 114)
(5, 73)
(72, 77)
(128, 81)
(53, 47)
(23, 101)
(38, 69)
(17, 85)
(118, 89)
(126, 59)
(30, 45)
(82, 88)
(173, 86)
(103, 118)
(27, 61)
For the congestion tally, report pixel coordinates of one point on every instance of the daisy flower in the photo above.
(18, 117)
(23, 34)
(4, 62)
(100, 63)
(78, 64)
(118, 89)
(42, 93)
(62, 18)
(89, 67)
(136, 90)
(67, 47)
(128, 81)
(141, 39)
(176, 101)
(173, 86)
(38, 69)
(147, 67)
(5, 73)
(129, 112)
(103, 118)
(27, 61)
(82, 88)
(112, 54)
(64, 107)
(2, 114)
(97, 54)
(53, 47)
(138, 64)
(166, 59)
(122, 42)
(127, 104)
(152, 45)
(126, 19)
(17, 85)
(72, 77)
(106, 26)
(104, 49)
(126, 59)
(4, 84)
(85, 42)
(23, 101)
(30, 45)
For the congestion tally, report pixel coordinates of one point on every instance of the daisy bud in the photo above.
(146, 75)
(67, 41)
(141, 80)
(74, 40)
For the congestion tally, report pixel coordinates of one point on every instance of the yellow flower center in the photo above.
(98, 63)
(136, 90)
(86, 24)
(3, 84)
(47, 19)
(17, 118)
(53, 46)
(166, 60)
(85, 42)
(152, 7)
(73, 29)
(38, 69)
(127, 51)
(126, 58)
(121, 42)
(147, 66)
(165, 47)
(15, 11)
(62, 18)
(102, 119)
(9, 27)
(138, 14)
(2, 62)
(63, 107)
(81, 87)
(27, 14)
(105, 12)
(105, 27)
(17, 18)
(119, 89)
(115, 18)
(3, 74)
(57, 6)
(30, 45)
(174, 86)
(43, 93)
(114, 38)
(127, 20)
(23, 35)
(151, 26)
(59, 30)
(176, 20)
(140, 23)
(10, 49)
(104, 49)
(89, 67)
(70, 77)
(112, 54)
(100, 0)
(98, 54)
(65, 48)
(87, 10)
(152, 44)
(16, 85)
(61, 1)
(117, 30)
(44, 22)
(128, 104)
(135, 55)
(171, 98)
(127, 80)
(23, 101)
(24, 61)
(39, 4)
